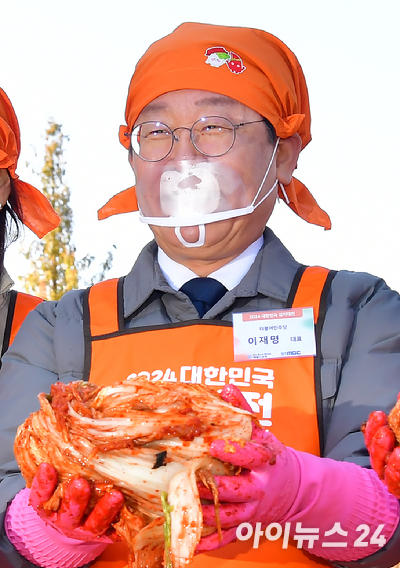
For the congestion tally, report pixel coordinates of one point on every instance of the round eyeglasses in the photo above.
(212, 136)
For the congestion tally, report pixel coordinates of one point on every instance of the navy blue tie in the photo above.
(204, 293)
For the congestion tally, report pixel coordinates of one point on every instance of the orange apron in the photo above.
(285, 392)
(19, 307)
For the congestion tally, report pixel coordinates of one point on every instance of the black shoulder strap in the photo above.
(87, 336)
(295, 285)
(318, 358)
(318, 334)
(9, 320)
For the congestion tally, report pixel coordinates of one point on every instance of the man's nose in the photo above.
(183, 145)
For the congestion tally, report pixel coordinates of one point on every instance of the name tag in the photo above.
(274, 334)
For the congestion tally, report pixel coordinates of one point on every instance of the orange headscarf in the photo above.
(249, 65)
(37, 212)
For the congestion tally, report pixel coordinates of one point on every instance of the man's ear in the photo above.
(287, 156)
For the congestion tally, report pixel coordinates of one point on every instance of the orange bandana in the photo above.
(246, 64)
(37, 213)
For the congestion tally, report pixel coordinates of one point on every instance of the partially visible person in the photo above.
(382, 439)
(19, 202)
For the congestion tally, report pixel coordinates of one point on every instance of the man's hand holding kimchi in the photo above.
(280, 485)
(382, 437)
(148, 443)
(67, 512)
(263, 493)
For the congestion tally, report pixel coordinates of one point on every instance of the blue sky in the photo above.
(72, 61)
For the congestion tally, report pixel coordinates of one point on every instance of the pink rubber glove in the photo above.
(380, 434)
(40, 543)
(241, 496)
(56, 539)
(244, 498)
(283, 485)
(68, 518)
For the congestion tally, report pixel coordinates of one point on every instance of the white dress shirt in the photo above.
(229, 275)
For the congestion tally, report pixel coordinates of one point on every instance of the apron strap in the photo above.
(103, 313)
(103, 307)
(310, 288)
(19, 306)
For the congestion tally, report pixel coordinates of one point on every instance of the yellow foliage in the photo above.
(54, 269)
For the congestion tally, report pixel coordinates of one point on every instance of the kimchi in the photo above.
(151, 441)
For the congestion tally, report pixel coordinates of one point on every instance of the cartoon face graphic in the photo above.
(215, 61)
(218, 56)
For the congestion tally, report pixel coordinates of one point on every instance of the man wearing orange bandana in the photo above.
(19, 201)
(213, 138)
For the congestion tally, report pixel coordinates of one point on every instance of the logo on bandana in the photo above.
(218, 56)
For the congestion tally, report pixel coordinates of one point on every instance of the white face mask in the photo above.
(190, 191)
(187, 194)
